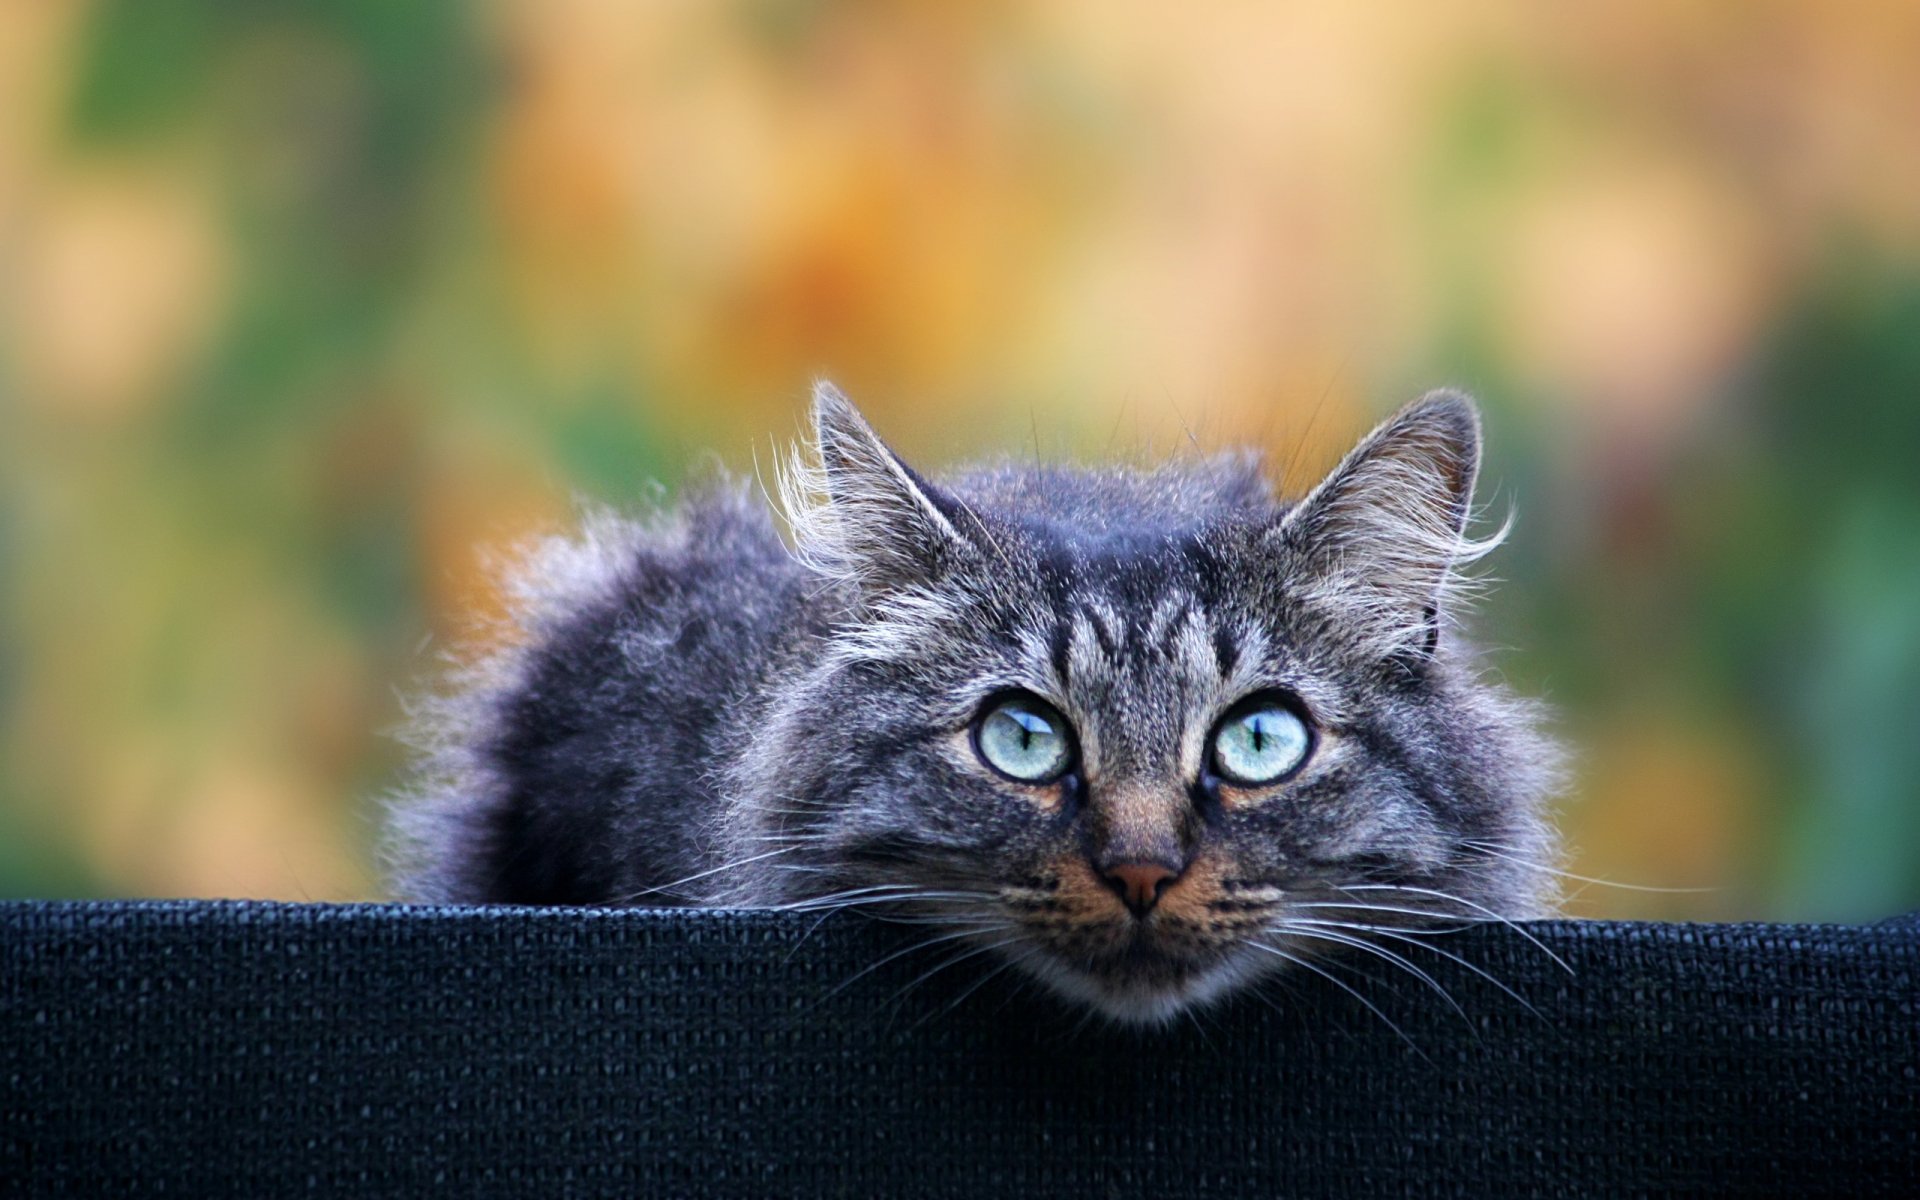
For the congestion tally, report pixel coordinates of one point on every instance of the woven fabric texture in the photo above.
(235, 1049)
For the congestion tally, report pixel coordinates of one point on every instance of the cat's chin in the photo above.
(1135, 1001)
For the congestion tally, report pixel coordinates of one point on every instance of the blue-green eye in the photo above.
(1261, 741)
(1024, 738)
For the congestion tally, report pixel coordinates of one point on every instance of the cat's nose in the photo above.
(1139, 884)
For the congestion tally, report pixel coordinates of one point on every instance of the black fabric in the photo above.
(225, 1049)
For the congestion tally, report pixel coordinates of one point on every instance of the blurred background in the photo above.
(304, 306)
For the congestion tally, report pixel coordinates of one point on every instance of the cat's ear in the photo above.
(861, 513)
(1379, 542)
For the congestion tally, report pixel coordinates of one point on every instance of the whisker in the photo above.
(865, 902)
(854, 899)
(969, 990)
(838, 901)
(1497, 852)
(1448, 896)
(727, 866)
(959, 956)
(811, 930)
(1413, 938)
(870, 968)
(890, 898)
(1380, 952)
(1193, 1015)
(1463, 922)
(1299, 961)
(830, 897)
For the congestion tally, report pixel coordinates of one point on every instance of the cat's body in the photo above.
(1149, 733)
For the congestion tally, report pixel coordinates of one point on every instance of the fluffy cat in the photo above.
(1149, 733)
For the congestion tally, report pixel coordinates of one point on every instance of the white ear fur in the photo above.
(1380, 539)
(857, 511)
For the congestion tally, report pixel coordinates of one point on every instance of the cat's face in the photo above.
(1152, 735)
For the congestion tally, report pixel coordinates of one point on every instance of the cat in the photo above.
(1148, 733)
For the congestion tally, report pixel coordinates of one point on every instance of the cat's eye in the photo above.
(1261, 740)
(1024, 738)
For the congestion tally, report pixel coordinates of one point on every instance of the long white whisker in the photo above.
(1379, 951)
(1448, 896)
(1460, 922)
(1496, 852)
(866, 902)
(1300, 961)
(728, 866)
(1413, 938)
(887, 893)
(852, 900)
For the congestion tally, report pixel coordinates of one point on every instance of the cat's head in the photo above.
(1150, 734)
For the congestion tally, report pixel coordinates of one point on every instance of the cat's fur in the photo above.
(692, 712)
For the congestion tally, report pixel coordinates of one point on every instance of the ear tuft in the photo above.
(1380, 541)
(857, 511)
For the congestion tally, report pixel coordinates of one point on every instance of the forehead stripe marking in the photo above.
(1225, 650)
(1109, 644)
(1059, 643)
(1174, 627)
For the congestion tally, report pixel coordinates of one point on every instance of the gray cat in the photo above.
(1149, 734)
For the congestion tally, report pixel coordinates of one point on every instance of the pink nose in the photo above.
(1139, 884)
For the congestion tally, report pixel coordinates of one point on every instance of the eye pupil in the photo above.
(1023, 738)
(1262, 742)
